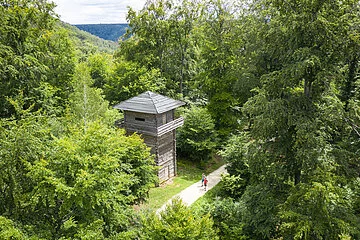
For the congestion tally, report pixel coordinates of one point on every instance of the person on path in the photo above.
(205, 182)
(202, 179)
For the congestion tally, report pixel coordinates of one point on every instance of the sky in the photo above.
(95, 11)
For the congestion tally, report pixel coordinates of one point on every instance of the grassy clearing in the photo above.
(188, 173)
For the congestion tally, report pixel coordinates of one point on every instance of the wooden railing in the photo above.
(150, 130)
(170, 126)
(119, 123)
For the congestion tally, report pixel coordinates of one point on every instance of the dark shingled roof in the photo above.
(149, 102)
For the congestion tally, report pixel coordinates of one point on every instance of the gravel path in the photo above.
(195, 191)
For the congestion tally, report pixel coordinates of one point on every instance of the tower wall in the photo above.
(163, 146)
(165, 156)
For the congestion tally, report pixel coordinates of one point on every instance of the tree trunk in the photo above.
(297, 175)
(182, 71)
(349, 85)
(307, 88)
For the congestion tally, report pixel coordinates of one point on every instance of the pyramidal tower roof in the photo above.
(149, 102)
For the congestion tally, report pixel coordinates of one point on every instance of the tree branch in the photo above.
(353, 126)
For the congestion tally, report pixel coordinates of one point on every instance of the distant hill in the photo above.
(110, 32)
(84, 40)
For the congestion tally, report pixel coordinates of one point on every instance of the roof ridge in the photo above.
(152, 99)
(149, 102)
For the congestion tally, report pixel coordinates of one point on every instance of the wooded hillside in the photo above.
(110, 32)
(83, 39)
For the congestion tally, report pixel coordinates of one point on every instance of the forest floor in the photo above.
(195, 191)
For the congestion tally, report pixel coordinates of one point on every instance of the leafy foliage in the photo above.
(73, 182)
(295, 118)
(90, 180)
(129, 79)
(33, 53)
(196, 138)
(9, 231)
(177, 222)
(87, 103)
(226, 215)
(318, 211)
(226, 75)
(160, 38)
(281, 76)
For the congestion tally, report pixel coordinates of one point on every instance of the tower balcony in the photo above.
(142, 128)
(167, 127)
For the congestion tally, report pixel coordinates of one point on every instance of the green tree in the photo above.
(348, 136)
(69, 177)
(101, 68)
(227, 215)
(148, 42)
(295, 117)
(86, 102)
(160, 38)
(295, 94)
(197, 137)
(222, 51)
(23, 141)
(320, 210)
(9, 231)
(236, 154)
(32, 52)
(130, 79)
(91, 179)
(177, 222)
(183, 61)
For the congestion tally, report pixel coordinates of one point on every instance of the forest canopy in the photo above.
(272, 86)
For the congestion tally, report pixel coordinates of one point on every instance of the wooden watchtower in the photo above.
(152, 116)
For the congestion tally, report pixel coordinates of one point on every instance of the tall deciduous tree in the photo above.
(150, 30)
(160, 37)
(298, 98)
(225, 80)
(101, 67)
(130, 79)
(87, 103)
(90, 178)
(32, 52)
(296, 117)
(183, 54)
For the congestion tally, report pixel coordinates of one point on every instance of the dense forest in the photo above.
(272, 86)
(110, 32)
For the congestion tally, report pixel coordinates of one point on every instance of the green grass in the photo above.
(188, 173)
